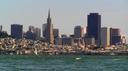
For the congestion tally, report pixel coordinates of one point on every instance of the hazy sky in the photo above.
(65, 14)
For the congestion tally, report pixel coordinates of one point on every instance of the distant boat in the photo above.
(112, 54)
(78, 58)
(11, 53)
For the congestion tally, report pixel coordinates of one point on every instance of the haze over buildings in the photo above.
(95, 36)
(65, 16)
(64, 12)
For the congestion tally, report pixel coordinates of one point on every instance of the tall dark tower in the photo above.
(49, 37)
(94, 27)
(17, 31)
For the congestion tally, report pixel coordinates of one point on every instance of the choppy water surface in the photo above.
(63, 63)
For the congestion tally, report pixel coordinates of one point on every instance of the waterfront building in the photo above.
(78, 32)
(105, 37)
(17, 31)
(3, 34)
(79, 40)
(67, 41)
(94, 27)
(89, 41)
(49, 30)
(115, 37)
(72, 36)
(63, 36)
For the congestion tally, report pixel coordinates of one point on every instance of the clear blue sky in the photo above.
(65, 13)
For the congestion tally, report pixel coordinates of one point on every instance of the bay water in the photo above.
(63, 63)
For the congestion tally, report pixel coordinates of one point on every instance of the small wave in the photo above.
(116, 59)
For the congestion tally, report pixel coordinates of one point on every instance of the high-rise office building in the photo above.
(56, 36)
(49, 30)
(56, 33)
(30, 34)
(33, 33)
(114, 31)
(94, 27)
(115, 37)
(105, 36)
(78, 32)
(31, 28)
(38, 33)
(17, 31)
(44, 30)
(67, 41)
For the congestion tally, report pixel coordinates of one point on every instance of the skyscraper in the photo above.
(31, 28)
(56, 33)
(17, 31)
(105, 37)
(49, 34)
(56, 36)
(38, 33)
(30, 35)
(115, 37)
(78, 31)
(33, 33)
(44, 30)
(94, 27)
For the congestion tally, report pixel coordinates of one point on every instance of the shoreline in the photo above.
(70, 53)
(10, 46)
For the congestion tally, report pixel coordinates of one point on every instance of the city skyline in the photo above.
(64, 35)
(26, 13)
